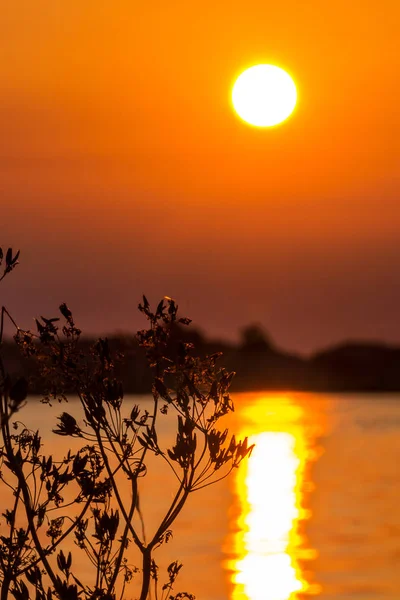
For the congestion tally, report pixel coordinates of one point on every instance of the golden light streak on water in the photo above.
(268, 540)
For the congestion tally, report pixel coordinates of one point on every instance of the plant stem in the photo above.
(123, 542)
(5, 587)
(146, 573)
(16, 469)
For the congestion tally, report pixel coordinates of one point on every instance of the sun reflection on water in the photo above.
(268, 541)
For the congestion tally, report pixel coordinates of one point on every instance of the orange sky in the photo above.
(124, 170)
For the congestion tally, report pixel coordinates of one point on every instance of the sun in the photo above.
(264, 95)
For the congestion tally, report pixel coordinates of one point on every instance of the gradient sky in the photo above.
(124, 170)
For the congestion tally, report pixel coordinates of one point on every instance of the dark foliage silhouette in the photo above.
(92, 493)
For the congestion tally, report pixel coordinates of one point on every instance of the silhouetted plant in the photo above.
(81, 496)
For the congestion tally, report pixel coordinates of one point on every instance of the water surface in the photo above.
(314, 513)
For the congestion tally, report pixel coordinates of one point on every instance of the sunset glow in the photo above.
(120, 133)
(267, 570)
(200, 246)
(272, 558)
(264, 95)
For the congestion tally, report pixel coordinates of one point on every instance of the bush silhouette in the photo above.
(81, 496)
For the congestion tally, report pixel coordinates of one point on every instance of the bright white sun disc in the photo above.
(264, 95)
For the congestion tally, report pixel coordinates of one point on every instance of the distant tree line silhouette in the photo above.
(259, 364)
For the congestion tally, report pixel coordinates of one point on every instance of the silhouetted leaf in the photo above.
(19, 390)
(67, 426)
(9, 257)
(64, 310)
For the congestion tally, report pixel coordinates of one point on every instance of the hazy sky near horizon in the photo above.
(124, 170)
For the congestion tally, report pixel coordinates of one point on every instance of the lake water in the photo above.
(315, 512)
